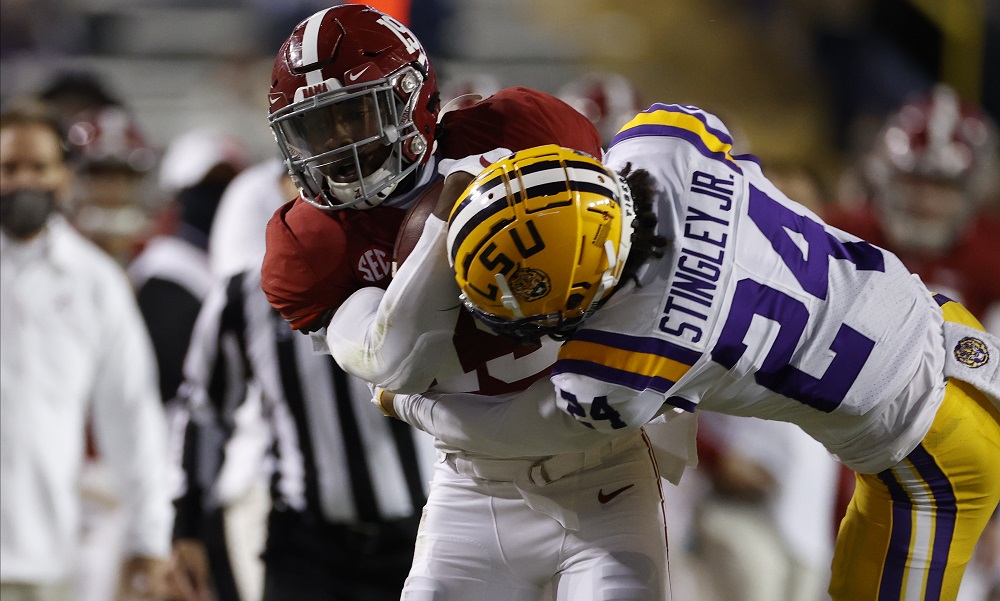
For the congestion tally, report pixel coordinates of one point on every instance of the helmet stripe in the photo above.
(460, 228)
(485, 188)
(310, 46)
(544, 178)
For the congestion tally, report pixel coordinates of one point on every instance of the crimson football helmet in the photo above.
(110, 138)
(353, 106)
(111, 201)
(538, 239)
(933, 162)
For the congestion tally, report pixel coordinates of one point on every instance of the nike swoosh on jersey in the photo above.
(606, 498)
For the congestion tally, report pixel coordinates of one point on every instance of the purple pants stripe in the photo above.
(945, 509)
(944, 519)
(899, 541)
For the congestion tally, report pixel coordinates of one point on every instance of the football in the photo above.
(413, 224)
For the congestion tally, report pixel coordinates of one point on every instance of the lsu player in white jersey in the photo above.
(754, 307)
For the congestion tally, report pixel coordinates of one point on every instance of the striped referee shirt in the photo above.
(333, 454)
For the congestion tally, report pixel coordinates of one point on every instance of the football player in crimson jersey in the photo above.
(933, 164)
(608, 99)
(354, 109)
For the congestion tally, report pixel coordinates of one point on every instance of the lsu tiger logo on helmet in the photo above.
(538, 239)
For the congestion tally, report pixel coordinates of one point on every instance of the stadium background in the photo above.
(798, 80)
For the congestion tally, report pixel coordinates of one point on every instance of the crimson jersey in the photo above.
(312, 265)
(316, 259)
(970, 273)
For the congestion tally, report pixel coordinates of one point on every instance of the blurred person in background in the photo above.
(59, 289)
(112, 204)
(348, 487)
(315, 536)
(236, 242)
(466, 90)
(608, 99)
(71, 93)
(172, 275)
(762, 528)
(221, 544)
(241, 487)
(931, 172)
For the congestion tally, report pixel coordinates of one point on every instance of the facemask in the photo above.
(24, 212)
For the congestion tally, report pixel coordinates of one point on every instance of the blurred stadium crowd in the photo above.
(879, 116)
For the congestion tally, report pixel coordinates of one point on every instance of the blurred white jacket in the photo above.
(73, 345)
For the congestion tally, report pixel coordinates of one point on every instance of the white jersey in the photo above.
(73, 345)
(757, 308)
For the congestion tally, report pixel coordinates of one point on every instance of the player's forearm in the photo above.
(524, 425)
(391, 338)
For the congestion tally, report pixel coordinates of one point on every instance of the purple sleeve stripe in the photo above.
(747, 157)
(611, 375)
(681, 403)
(638, 344)
(675, 132)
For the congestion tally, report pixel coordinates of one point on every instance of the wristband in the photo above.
(379, 402)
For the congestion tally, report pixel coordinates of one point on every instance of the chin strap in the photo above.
(607, 278)
(507, 297)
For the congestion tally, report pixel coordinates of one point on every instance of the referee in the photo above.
(347, 485)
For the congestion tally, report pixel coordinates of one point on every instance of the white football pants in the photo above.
(493, 530)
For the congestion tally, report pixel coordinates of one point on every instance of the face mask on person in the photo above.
(24, 212)
(199, 203)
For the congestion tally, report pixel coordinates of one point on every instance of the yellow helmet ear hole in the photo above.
(574, 301)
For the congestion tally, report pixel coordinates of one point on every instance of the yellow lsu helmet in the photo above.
(538, 239)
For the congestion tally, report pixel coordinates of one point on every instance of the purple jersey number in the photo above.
(751, 298)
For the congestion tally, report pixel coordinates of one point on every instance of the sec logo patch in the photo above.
(972, 352)
(374, 265)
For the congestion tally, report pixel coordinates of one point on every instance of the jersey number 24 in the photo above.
(752, 298)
